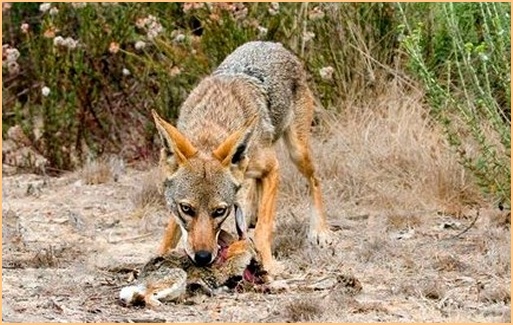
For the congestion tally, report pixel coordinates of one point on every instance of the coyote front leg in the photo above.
(266, 210)
(172, 235)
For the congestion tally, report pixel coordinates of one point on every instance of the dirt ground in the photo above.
(65, 243)
(69, 247)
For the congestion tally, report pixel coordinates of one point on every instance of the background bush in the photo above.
(80, 79)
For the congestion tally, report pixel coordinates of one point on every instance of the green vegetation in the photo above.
(80, 79)
(461, 55)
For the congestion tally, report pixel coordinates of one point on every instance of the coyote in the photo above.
(221, 157)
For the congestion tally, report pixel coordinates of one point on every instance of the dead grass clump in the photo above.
(401, 221)
(148, 201)
(374, 249)
(302, 310)
(506, 317)
(495, 294)
(102, 171)
(448, 263)
(366, 307)
(407, 289)
(148, 194)
(431, 289)
(11, 229)
(289, 238)
(388, 155)
(47, 257)
(409, 261)
(349, 284)
(501, 218)
(344, 303)
(96, 172)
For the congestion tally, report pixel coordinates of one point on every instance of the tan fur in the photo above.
(224, 141)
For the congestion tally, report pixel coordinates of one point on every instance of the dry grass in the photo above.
(41, 258)
(431, 289)
(148, 203)
(448, 263)
(302, 310)
(101, 171)
(149, 192)
(289, 238)
(386, 155)
(497, 293)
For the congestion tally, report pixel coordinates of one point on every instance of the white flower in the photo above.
(45, 91)
(484, 57)
(24, 28)
(151, 25)
(152, 33)
(44, 7)
(140, 23)
(77, 5)
(12, 54)
(179, 38)
(316, 13)
(139, 45)
(240, 12)
(175, 71)
(274, 8)
(262, 31)
(58, 41)
(187, 6)
(154, 27)
(326, 73)
(54, 11)
(308, 36)
(114, 47)
(71, 43)
(5, 47)
(126, 72)
(65, 42)
(13, 67)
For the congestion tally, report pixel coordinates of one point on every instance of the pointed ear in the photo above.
(174, 142)
(233, 150)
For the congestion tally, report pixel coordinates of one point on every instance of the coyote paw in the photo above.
(322, 238)
(274, 268)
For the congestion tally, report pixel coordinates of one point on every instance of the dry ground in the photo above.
(402, 208)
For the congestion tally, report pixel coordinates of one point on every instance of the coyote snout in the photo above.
(224, 141)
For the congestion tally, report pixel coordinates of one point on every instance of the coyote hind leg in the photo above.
(297, 140)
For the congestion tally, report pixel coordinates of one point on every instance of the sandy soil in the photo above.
(65, 245)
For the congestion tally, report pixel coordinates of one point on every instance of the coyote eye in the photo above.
(219, 212)
(186, 209)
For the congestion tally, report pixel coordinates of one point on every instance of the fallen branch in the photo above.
(115, 241)
(464, 230)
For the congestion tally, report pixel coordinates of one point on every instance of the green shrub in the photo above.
(105, 66)
(463, 64)
(81, 79)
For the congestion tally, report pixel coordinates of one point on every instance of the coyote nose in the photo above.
(202, 258)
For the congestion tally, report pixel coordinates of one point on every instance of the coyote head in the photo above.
(201, 187)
